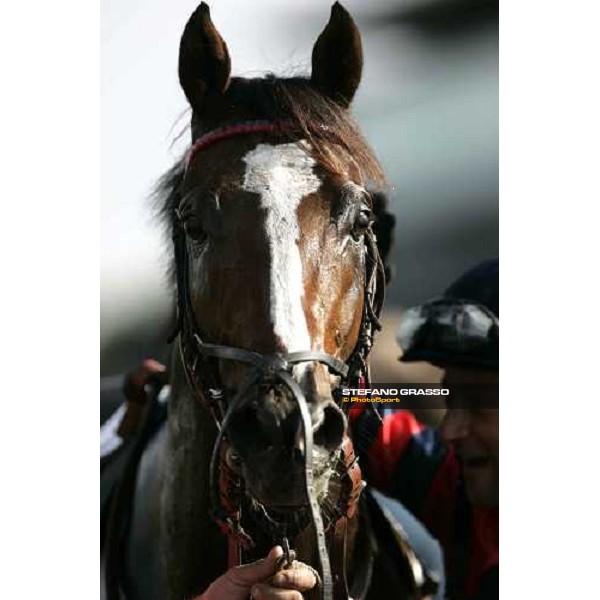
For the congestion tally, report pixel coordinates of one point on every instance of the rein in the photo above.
(199, 362)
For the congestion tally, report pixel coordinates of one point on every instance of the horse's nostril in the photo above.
(330, 432)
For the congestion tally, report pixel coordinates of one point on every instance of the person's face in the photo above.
(472, 427)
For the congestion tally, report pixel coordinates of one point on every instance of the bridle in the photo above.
(199, 361)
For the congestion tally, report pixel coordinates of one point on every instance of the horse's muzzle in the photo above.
(271, 420)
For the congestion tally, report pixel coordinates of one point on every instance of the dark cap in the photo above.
(479, 285)
(460, 328)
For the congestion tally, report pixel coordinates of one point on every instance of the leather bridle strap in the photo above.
(234, 130)
(254, 358)
(335, 365)
(237, 404)
(198, 358)
(270, 368)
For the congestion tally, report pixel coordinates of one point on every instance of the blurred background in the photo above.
(428, 104)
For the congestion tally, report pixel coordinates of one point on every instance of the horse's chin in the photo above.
(285, 495)
(284, 489)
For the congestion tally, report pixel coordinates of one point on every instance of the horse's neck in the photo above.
(195, 548)
(144, 560)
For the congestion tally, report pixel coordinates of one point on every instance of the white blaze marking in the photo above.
(283, 175)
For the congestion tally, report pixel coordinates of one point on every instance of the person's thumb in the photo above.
(247, 575)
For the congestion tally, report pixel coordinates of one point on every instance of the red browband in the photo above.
(229, 131)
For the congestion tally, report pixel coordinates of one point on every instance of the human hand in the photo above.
(263, 580)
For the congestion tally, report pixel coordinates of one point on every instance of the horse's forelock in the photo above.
(320, 120)
(326, 125)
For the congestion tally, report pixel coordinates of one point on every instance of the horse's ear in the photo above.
(204, 63)
(337, 57)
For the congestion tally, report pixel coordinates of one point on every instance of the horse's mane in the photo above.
(313, 117)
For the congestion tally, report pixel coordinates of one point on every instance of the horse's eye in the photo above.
(193, 228)
(190, 219)
(364, 220)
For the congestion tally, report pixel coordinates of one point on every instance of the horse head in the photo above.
(277, 250)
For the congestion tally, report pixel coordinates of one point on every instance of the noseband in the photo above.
(199, 359)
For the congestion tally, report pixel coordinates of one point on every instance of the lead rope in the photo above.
(326, 577)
